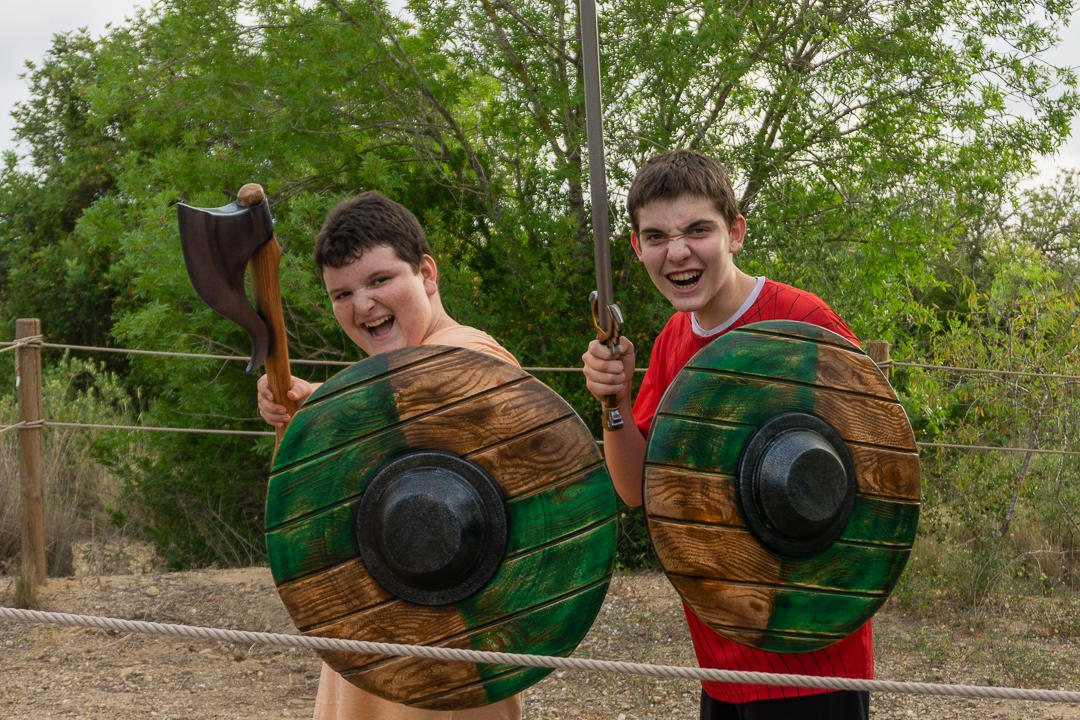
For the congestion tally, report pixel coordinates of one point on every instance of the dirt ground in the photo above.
(54, 672)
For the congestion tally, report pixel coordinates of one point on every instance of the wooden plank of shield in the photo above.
(781, 486)
(349, 562)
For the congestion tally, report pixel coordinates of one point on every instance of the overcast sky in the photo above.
(28, 26)
(26, 32)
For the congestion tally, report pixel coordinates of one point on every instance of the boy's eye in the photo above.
(694, 233)
(341, 296)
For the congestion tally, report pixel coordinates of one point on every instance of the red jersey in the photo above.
(680, 340)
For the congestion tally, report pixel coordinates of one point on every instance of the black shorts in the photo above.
(839, 705)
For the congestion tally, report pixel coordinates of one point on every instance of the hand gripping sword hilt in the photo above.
(608, 331)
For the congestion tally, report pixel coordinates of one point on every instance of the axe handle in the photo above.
(264, 279)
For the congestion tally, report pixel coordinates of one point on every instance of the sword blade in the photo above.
(605, 314)
(594, 126)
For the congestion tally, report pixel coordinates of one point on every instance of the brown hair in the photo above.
(368, 220)
(676, 173)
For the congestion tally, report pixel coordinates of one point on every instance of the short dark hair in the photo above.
(676, 173)
(365, 221)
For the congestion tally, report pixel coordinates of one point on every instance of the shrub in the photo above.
(80, 492)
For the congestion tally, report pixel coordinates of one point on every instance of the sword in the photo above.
(605, 313)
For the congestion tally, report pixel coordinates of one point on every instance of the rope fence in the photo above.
(267, 433)
(32, 344)
(31, 341)
(980, 371)
(38, 341)
(21, 342)
(245, 637)
(134, 428)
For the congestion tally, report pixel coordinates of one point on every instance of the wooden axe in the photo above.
(218, 243)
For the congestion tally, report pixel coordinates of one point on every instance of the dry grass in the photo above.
(79, 491)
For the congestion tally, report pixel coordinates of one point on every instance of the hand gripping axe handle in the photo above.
(218, 244)
(606, 315)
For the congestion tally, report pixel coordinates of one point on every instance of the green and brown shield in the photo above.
(781, 486)
(438, 496)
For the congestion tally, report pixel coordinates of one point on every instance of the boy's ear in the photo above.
(429, 271)
(736, 234)
(635, 242)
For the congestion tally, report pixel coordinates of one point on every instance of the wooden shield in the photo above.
(377, 424)
(781, 486)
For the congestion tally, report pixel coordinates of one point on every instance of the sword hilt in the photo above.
(608, 333)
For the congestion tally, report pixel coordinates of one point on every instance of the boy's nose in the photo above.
(677, 248)
(362, 303)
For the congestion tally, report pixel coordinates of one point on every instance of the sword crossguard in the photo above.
(608, 332)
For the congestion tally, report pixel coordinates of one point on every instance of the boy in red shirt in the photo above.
(686, 229)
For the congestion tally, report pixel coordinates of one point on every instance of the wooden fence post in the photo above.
(28, 382)
(878, 350)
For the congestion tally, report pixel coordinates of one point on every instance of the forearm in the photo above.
(608, 375)
(624, 454)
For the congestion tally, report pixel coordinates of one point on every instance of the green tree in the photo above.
(192, 103)
(48, 273)
(1048, 217)
(859, 134)
(1005, 514)
(867, 141)
(875, 141)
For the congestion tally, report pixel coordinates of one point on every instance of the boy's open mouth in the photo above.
(685, 279)
(381, 327)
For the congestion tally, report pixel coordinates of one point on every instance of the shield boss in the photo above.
(781, 486)
(438, 496)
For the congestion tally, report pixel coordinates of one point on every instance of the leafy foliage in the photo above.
(1007, 514)
(877, 141)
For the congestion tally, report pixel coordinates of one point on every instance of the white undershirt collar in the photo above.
(750, 300)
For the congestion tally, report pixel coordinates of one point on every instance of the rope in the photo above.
(266, 433)
(151, 428)
(199, 356)
(38, 340)
(23, 342)
(24, 424)
(246, 637)
(148, 428)
(983, 371)
(999, 448)
(238, 358)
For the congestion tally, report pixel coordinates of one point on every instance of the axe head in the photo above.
(217, 245)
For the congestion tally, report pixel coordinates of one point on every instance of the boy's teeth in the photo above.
(684, 278)
(377, 323)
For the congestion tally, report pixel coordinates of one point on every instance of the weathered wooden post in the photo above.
(878, 350)
(28, 383)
